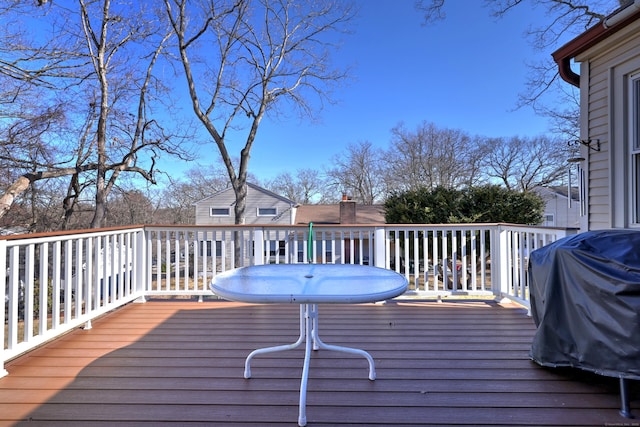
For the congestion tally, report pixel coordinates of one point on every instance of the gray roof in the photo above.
(562, 190)
(255, 187)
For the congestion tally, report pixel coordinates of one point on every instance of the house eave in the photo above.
(594, 35)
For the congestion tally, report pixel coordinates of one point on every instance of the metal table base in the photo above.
(308, 334)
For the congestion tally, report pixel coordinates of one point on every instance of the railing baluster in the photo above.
(89, 279)
(43, 282)
(3, 313)
(78, 285)
(28, 322)
(118, 261)
(80, 275)
(186, 273)
(112, 272)
(67, 281)
(14, 296)
(55, 286)
(437, 264)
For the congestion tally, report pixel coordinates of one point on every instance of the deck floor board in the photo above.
(170, 363)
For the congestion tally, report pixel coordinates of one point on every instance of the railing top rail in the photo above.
(328, 225)
(266, 225)
(542, 227)
(441, 226)
(71, 234)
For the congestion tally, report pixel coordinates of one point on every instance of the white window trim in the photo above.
(269, 214)
(212, 208)
(633, 147)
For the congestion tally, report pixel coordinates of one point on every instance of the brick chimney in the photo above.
(347, 210)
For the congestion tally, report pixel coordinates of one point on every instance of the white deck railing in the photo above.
(59, 281)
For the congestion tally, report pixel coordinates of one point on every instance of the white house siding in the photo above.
(557, 206)
(604, 68)
(256, 198)
(220, 246)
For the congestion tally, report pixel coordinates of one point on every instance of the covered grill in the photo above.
(585, 301)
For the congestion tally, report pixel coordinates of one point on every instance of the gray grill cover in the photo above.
(585, 301)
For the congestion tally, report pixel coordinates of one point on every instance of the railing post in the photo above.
(379, 250)
(500, 262)
(3, 285)
(258, 246)
(141, 263)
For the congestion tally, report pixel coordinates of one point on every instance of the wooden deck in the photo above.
(181, 363)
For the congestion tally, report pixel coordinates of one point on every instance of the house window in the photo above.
(275, 251)
(219, 212)
(634, 146)
(267, 212)
(320, 246)
(207, 248)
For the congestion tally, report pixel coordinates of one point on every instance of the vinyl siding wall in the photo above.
(255, 199)
(557, 206)
(604, 69)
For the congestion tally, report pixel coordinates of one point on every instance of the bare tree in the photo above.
(32, 118)
(26, 63)
(523, 163)
(431, 157)
(243, 59)
(564, 114)
(357, 172)
(305, 187)
(180, 194)
(97, 61)
(38, 209)
(112, 41)
(129, 207)
(567, 18)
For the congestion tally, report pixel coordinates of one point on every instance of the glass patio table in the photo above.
(309, 285)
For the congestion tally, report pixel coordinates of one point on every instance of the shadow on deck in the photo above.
(179, 362)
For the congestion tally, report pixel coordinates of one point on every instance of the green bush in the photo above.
(490, 203)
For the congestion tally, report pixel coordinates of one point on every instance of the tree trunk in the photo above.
(240, 189)
(14, 190)
(241, 202)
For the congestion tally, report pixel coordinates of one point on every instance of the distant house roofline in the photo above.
(331, 214)
(255, 187)
(561, 191)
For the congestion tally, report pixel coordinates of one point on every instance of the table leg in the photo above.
(308, 333)
(319, 344)
(314, 342)
(247, 363)
(302, 407)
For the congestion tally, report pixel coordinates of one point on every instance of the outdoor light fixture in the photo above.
(576, 159)
(592, 144)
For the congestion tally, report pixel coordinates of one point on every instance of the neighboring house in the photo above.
(560, 211)
(263, 207)
(358, 246)
(609, 82)
(347, 212)
(267, 208)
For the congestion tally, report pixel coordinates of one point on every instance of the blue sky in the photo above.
(464, 72)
